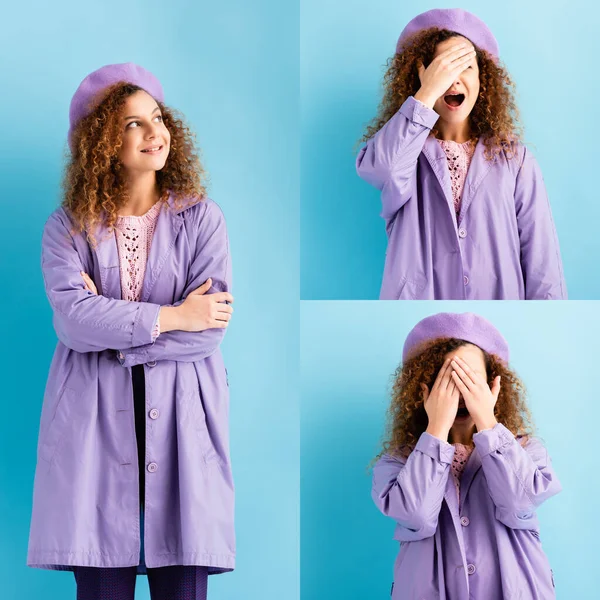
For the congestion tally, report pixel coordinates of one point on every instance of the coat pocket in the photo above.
(201, 428)
(411, 288)
(54, 433)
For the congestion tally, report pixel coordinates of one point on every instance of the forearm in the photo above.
(518, 480)
(412, 494)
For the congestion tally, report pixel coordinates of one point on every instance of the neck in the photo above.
(454, 132)
(461, 435)
(143, 194)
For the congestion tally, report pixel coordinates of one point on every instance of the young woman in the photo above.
(464, 202)
(133, 473)
(461, 472)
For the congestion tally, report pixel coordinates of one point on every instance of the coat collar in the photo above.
(473, 465)
(478, 169)
(168, 224)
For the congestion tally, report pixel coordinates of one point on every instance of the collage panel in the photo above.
(433, 162)
(484, 490)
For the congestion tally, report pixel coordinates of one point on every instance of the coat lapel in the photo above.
(473, 465)
(478, 169)
(168, 224)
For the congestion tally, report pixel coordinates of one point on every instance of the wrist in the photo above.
(486, 423)
(170, 318)
(425, 98)
(438, 432)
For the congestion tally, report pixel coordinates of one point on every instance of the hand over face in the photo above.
(89, 284)
(479, 398)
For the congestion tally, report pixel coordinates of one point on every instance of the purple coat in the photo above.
(86, 498)
(504, 244)
(488, 546)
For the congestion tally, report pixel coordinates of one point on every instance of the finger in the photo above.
(222, 316)
(455, 51)
(464, 371)
(219, 324)
(462, 62)
(222, 297)
(441, 372)
(225, 308)
(203, 288)
(496, 387)
(460, 385)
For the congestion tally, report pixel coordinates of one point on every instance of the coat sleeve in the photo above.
(83, 321)
(519, 478)
(392, 153)
(211, 259)
(411, 490)
(540, 253)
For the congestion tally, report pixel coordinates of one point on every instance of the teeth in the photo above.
(151, 149)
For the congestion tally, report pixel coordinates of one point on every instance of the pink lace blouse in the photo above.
(134, 236)
(459, 157)
(461, 455)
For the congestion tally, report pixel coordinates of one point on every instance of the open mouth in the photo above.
(462, 412)
(454, 100)
(153, 150)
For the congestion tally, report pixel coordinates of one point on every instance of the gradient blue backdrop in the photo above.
(232, 69)
(548, 48)
(349, 351)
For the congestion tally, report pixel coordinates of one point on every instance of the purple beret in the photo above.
(463, 326)
(454, 19)
(95, 82)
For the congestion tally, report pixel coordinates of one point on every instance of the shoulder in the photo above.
(205, 209)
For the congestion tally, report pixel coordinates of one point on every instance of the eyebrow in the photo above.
(136, 117)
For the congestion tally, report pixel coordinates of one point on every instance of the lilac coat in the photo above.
(86, 497)
(504, 244)
(488, 545)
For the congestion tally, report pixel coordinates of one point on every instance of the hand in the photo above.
(89, 284)
(479, 398)
(441, 404)
(441, 73)
(200, 311)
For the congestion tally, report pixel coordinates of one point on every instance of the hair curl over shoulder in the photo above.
(495, 116)
(407, 418)
(93, 185)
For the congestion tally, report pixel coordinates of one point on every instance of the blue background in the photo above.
(349, 351)
(232, 69)
(547, 47)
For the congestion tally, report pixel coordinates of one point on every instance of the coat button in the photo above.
(152, 363)
(470, 569)
(464, 521)
(462, 233)
(154, 413)
(466, 280)
(152, 467)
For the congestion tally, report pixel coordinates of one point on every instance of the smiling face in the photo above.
(474, 357)
(451, 108)
(146, 140)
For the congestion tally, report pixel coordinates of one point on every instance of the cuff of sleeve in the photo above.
(156, 329)
(489, 440)
(435, 448)
(418, 112)
(144, 324)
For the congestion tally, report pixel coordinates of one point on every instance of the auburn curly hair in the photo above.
(93, 185)
(407, 418)
(495, 116)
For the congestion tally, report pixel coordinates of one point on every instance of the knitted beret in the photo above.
(82, 102)
(464, 326)
(453, 19)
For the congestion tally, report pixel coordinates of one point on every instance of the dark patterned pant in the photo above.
(166, 583)
(177, 582)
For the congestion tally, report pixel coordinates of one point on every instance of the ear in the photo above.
(424, 391)
(421, 70)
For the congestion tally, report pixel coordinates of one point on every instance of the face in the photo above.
(146, 140)
(466, 83)
(473, 356)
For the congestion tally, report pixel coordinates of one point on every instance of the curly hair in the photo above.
(495, 116)
(94, 188)
(407, 418)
